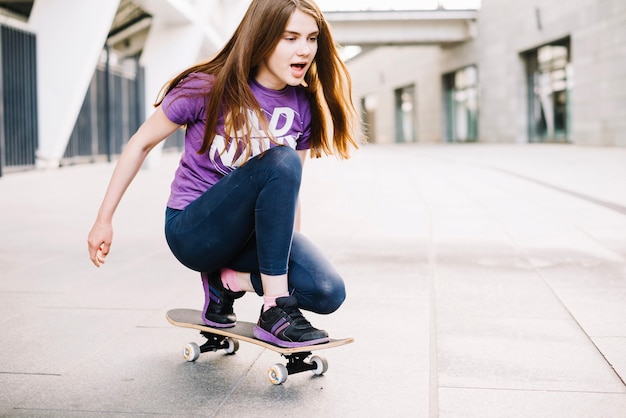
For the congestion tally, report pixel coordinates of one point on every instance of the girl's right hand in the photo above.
(99, 242)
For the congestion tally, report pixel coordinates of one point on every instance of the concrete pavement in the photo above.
(483, 281)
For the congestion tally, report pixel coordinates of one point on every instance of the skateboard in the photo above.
(227, 339)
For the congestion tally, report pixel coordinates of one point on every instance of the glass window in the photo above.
(405, 114)
(550, 78)
(461, 97)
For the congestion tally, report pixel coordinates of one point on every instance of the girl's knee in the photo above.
(285, 159)
(331, 296)
(332, 304)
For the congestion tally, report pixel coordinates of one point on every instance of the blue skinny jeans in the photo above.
(245, 222)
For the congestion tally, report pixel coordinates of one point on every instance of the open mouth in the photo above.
(298, 70)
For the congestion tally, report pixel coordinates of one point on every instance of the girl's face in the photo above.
(293, 55)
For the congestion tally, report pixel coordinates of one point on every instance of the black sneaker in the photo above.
(218, 302)
(283, 325)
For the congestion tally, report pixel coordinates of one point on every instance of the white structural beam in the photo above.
(167, 51)
(70, 37)
(180, 35)
(409, 27)
(183, 32)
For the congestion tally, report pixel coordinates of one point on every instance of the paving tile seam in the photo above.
(510, 389)
(95, 411)
(399, 298)
(609, 362)
(488, 316)
(101, 308)
(30, 374)
(433, 330)
(154, 326)
(26, 292)
(617, 337)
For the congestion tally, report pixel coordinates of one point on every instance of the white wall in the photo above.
(383, 70)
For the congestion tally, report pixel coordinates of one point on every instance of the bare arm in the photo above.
(152, 132)
(296, 227)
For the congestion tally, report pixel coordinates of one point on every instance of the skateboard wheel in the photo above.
(321, 365)
(191, 352)
(278, 374)
(233, 346)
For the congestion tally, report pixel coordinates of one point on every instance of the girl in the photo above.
(276, 90)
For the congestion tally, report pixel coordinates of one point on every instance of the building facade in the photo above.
(534, 72)
(77, 78)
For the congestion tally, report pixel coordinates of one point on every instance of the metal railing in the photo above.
(18, 106)
(112, 110)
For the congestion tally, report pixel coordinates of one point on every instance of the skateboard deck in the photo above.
(228, 340)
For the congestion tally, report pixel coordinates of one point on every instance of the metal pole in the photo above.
(107, 103)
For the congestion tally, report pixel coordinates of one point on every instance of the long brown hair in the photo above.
(328, 82)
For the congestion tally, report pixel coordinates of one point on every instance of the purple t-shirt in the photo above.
(288, 114)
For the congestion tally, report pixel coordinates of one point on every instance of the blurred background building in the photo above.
(78, 77)
(542, 71)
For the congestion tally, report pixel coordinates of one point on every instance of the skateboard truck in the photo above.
(296, 363)
(191, 351)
